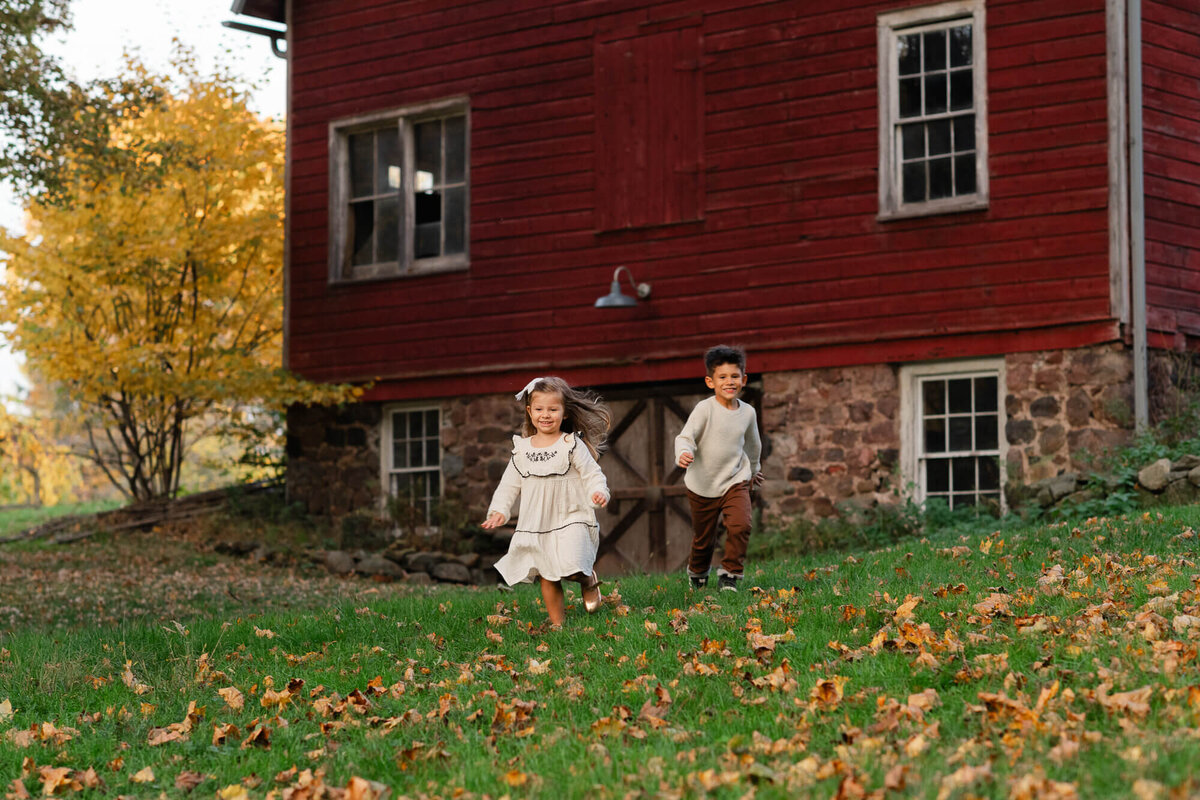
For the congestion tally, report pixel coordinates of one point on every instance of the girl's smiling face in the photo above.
(546, 412)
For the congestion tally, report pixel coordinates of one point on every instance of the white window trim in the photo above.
(891, 205)
(387, 450)
(339, 181)
(910, 417)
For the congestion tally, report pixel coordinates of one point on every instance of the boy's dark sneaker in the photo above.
(727, 583)
(698, 581)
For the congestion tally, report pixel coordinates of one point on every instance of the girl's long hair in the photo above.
(584, 413)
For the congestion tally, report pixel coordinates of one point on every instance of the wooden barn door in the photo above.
(647, 525)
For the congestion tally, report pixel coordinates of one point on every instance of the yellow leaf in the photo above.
(6, 710)
(143, 775)
(234, 791)
(515, 778)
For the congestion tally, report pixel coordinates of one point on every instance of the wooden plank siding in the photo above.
(781, 249)
(1171, 80)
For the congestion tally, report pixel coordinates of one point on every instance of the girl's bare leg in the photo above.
(552, 596)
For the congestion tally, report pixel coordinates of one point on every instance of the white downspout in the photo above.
(1137, 219)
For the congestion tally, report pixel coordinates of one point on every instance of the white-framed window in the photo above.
(399, 192)
(412, 457)
(952, 433)
(932, 110)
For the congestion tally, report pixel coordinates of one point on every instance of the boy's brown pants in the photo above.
(706, 513)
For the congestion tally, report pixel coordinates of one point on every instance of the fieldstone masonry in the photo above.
(1064, 408)
(832, 435)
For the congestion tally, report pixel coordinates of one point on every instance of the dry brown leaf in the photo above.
(233, 698)
(6, 710)
(133, 683)
(187, 780)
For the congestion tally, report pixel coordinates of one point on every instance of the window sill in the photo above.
(382, 272)
(934, 208)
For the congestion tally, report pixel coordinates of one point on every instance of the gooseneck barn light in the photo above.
(616, 299)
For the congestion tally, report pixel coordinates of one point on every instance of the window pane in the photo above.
(935, 435)
(427, 138)
(913, 177)
(960, 433)
(933, 396)
(910, 97)
(435, 485)
(362, 223)
(986, 433)
(399, 455)
(415, 453)
(963, 474)
(387, 160)
(963, 501)
(431, 452)
(456, 220)
(909, 52)
(985, 394)
(913, 137)
(387, 220)
(960, 395)
(456, 149)
(960, 46)
(941, 182)
(935, 93)
(964, 133)
(427, 208)
(964, 174)
(415, 427)
(989, 473)
(431, 423)
(935, 50)
(362, 149)
(937, 475)
(939, 137)
(962, 90)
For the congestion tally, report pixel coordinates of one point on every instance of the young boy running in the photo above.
(719, 447)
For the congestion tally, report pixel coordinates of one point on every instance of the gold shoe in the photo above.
(590, 588)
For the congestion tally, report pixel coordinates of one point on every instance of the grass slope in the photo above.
(1035, 663)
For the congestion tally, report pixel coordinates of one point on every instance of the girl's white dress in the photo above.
(557, 534)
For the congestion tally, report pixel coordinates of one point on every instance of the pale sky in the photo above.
(104, 30)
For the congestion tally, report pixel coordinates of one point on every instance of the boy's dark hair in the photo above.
(724, 354)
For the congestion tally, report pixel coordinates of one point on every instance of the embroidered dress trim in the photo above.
(544, 455)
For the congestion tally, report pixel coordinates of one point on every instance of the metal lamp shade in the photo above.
(615, 299)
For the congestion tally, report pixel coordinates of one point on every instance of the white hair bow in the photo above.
(528, 388)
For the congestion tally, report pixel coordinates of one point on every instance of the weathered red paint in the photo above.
(776, 244)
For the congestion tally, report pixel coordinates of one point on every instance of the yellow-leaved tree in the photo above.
(152, 295)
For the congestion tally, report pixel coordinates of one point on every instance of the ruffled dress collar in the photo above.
(543, 462)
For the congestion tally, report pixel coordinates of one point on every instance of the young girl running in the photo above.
(553, 471)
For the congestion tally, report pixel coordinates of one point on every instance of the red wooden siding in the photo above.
(1171, 79)
(784, 254)
(649, 122)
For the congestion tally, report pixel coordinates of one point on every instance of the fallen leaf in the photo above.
(233, 698)
(143, 775)
(515, 778)
(6, 710)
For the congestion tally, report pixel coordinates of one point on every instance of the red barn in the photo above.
(947, 234)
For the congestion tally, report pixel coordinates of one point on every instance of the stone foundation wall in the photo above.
(833, 435)
(1065, 408)
(334, 454)
(333, 458)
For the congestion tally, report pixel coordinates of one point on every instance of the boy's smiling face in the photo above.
(727, 381)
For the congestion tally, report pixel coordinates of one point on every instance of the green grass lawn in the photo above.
(1046, 662)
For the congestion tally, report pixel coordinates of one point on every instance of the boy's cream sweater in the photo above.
(725, 444)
